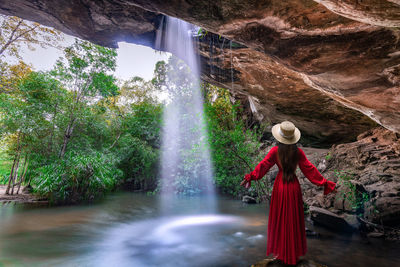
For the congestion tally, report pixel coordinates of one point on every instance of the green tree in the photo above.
(16, 31)
(138, 149)
(84, 71)
(77, 177)
(135, 115)
(234, 148)
(25, 120)
(160, 75)
(11, 75)
(138, 90)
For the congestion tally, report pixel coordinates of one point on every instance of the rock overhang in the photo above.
(309, 62)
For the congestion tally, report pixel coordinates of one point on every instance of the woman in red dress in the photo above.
(286, 230)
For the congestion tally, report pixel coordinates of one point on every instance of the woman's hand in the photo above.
(245, 183)
(333, 192)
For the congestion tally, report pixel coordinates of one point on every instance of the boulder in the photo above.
(311, 233)
(249, 200)
(384, 210)
(352, 220)
(329, 219)
(376, 235)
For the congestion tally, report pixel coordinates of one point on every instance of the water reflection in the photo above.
(174, 241)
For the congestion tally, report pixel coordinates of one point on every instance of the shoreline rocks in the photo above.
(249, 200)
(25, 196)
(329, 219)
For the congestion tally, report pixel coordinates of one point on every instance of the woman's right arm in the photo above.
(263, 167)
(312, 173)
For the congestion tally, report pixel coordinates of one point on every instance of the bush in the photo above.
(235, 149)
(144, 122)
(138, 162)
(78, 177)
(349, 191)
(138, 148)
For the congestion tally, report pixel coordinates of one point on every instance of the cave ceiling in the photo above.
(332, 67)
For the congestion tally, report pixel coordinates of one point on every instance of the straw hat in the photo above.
(286, 133)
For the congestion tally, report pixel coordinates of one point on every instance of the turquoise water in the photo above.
(127, 229)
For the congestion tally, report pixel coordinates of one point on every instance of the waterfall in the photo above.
(185, 155)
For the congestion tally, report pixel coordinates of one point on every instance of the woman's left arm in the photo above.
(263, 167)
(313, 175)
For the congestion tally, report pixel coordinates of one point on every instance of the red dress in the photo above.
(286, 230)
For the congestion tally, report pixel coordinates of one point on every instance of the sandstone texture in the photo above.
(329, 219)
(309, 61)
(261, 85)
(367, 173)
(373, 163)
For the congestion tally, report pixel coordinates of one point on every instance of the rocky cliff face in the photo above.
(372, 165)
(367, 173)
(299, 60)
(262, 85)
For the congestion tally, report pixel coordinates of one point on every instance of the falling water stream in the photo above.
(185, 156)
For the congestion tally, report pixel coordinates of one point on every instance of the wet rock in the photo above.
(27, 189)
(329, 219)
(384, 210)
(352, 220)
(271, 176)
(312, 194)
(376, 235)
(339, 203)
(249, 200)
(311, 233)
(322, 166)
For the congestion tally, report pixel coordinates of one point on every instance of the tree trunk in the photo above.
(50, 145)
(11, 175)
(24, 170)
(79, 94)
(67, 136)
(13, 167)
(11, 39)
(14, 179)
(116, 141)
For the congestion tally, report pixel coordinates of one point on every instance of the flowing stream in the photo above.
(128, 229)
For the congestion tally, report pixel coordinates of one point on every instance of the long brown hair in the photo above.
(288, 158)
